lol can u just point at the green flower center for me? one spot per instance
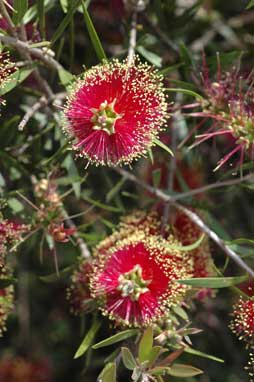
(105, 117)
(243, 130)
(132, 283)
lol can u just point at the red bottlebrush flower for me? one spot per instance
(135, 279)
(11, 232)
(229, 102)
(22, 370)
(78, 294)
(242, 323)
(6, 68)
(184, 230)
(6, 294)
(247, 287)
(59, 233)
(116, 111)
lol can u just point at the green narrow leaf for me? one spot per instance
(145, 345)
(97, 203)
(169, 69)
(65, 77)
(41, 16)
(93, 34)
(65, 22)
(72, 43)
(114, 190)
(250, 5)
(185, 91)
(180, 312)
(128, 359)
(15, 205)
(108, 374)
(15, 79)
(203, 355)
(64, 5)
(116, 338)
(154, 354)
(241, 240)
(88, 339)
(150, 154)
(187, 248)
(163, 146)
(159, 370)
(183, 84)
(151, 57)
(5, 282)
(32, 12)
(53, 277)
(156, 175)
(186, 55)
(183, 371)
(214, 282)
(20, 7)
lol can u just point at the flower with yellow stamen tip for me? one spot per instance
(114, 113)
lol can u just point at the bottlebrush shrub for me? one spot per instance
(115, 112)
(229, 102)
(133, 286)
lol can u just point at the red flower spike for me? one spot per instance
(242, 323)
(184, 230)
(78, 293)
(135, 279)
(247, 287)
(6, 294)
(11, 232)
(115, 112)
(229, 102)
(6, 68)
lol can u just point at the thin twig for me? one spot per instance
(133, 37)
(82, 245)
(43, 101)
(21, 49)
(193, 217)
(43, 56)
(7, 18)
(209, 187)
